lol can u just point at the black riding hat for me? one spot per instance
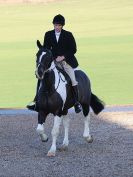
(59, 19)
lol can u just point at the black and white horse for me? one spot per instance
(55, 96)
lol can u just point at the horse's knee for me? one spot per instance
(55, 131)
(66, 122)
(57, 122)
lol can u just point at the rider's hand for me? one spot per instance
(60, 58)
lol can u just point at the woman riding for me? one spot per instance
(63, 47)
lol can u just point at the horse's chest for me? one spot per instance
(54, 103)
(60, 86)
(56, 98)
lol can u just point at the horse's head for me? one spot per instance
(44, 60)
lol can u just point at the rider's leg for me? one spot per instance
(70, 71)
(32, 105)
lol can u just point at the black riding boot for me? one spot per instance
(77, 105)
(33, 106)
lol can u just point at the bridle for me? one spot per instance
(40, 64)
(45, 71)
(48, 70)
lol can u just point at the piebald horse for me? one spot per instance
(55, 96)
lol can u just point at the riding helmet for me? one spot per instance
(59, 19)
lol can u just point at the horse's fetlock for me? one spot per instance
(40, 129)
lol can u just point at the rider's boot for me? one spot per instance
(77, 105)
(33, 105)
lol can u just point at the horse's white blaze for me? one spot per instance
(40, 58)
(66, 127)
(86, 126)
(55, 132)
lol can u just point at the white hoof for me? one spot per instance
(89, 139)
(44, 137)
(51, 154)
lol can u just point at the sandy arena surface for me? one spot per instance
(22, 154)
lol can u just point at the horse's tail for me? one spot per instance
(96, 104)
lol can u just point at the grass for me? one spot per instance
(104, 35)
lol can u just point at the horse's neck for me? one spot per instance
(51, 79)
(56, 75)
(52, 67)
(49, 82)
(56, 72)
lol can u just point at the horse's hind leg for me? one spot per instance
(86, 133)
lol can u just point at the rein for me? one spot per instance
(51, 69)
(58, 81)
(60, 78)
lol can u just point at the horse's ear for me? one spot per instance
(39, 45)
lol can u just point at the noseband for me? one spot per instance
(40, 64)
(45, 71)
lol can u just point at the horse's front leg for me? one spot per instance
(66, 130)
(86, 133)
(40, 127)
(55, 133)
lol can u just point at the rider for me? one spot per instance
(63, 47)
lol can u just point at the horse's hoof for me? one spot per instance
(44, 140)
(63, 148)
(89, 139)
(51, 154)
(43, 137)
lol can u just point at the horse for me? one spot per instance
(55, 96)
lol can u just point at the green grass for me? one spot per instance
(104, 33)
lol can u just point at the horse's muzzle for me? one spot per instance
(39, 75)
